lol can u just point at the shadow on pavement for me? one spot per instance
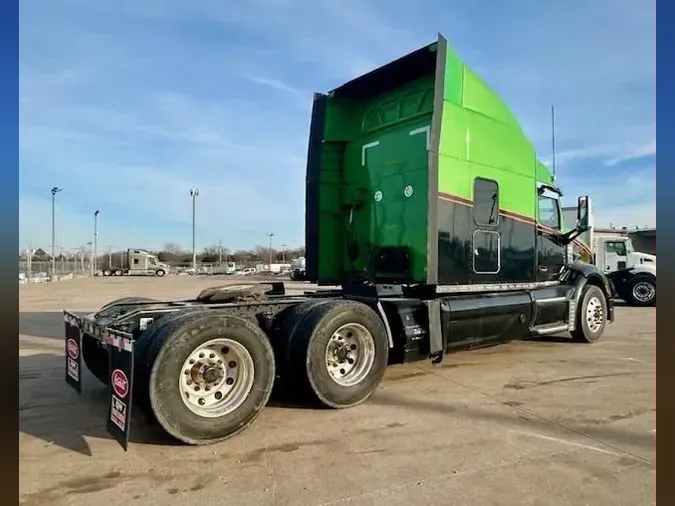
(42, 324)
(524, 418)
(50, 410)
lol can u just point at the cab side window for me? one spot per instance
(618, 247)
(549, 214)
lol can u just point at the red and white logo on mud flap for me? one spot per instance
(119, 383)
(73, 349)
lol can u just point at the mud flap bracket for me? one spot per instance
(436, 340)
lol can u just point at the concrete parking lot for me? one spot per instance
(527, 423)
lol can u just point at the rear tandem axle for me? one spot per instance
(204, 369)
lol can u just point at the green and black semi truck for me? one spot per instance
(427, 206)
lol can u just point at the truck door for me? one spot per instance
(615, 255)
(151, 265)
(550, 255)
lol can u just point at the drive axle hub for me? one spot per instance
(350, 354)
(216, 378)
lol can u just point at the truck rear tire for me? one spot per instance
(209, 377)
(227, 293)
(640, 290)
(160, 273)
(96, 357)
(292, 317)
(338, 352)
(591, 315)
(126, 301)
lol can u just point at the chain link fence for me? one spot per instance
(40, 271)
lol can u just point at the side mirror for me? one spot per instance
(582, 213)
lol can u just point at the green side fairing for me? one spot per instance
(386, 148)
(480, 137)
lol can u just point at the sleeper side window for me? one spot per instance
(485, 202)
(486, 239)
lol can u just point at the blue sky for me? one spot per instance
(127, 105)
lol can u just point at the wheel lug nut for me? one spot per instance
(207, 389)
(201, 355)
(232, 364)
(189, 382)
(196, 388)
(218, 395)
(201, 401)
(187, 372)
(192, 361)
(224, 350)
(229, 381)
(352, 347)
(342, 371)
(351, 360)
(212, 355)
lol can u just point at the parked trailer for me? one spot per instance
(436, 246)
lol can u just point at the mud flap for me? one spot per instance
(73, 344)
(121, 374)
(437, 343)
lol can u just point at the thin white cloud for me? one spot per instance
(611, 154)
(636, 153)
(620, 200)
(277, 84)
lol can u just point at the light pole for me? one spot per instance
(220, 252)
(55, 190)
(270, 235)
(194, 193)
(283, 254)
(90, 245)
(94, 251)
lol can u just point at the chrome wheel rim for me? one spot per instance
(216, 378)
(350, 354)
(644, 291)
(595, 315)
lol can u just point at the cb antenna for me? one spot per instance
(553, 140)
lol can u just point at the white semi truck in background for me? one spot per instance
(632, 273)
(298, 269)
(137, 262)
